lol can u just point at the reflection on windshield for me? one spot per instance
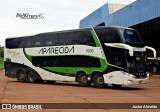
(130, 62)
(131, 36)
(137, 62)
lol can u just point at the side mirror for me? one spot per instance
(152, 49)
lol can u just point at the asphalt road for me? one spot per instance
(12, 91)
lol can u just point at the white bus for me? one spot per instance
(100, 55)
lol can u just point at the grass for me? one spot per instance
(1, 63)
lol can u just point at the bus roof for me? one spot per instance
(89, 28)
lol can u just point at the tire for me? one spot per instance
(98, 80)
(116, 85)
(83, 80)
(31, 76)
(21, 76)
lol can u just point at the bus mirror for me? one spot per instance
(152, 49)
(122, 46)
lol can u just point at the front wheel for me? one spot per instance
(98, 80)
(83, 80)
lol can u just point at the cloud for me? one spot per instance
(58, 15)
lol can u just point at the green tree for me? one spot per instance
(1, 51)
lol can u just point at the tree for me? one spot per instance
(1, 51)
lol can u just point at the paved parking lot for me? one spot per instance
(12, 91)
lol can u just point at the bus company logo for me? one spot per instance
(6, 106)
(12, 52)
(30, 16)
(57, 50)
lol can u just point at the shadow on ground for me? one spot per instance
(92, 86)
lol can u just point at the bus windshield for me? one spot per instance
(131, 36)
(137, 62)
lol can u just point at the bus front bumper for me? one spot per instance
(131, 79)
(123, 78)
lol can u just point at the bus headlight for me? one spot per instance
(147, 74)
(130, 75)
(129, 81)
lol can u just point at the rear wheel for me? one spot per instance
(21, 76)
(31, 77)
(83, 80)
(98, 80)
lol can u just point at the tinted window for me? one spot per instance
(68, 38)
(37, 41)
(82, 61)
(88, 39)
(19, 42)
(108, 35)
(131, 36)
(51, 40)
(66, 61)
(117, 59)
(78, 37)
(25, 42)
(12, 43)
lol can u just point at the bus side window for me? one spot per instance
(117, 59)
(108, 35)
(79, 37)
(112, 36)
(66, 38)
(65, 61)
(25, 42)
(38, 40)
(12, 43)
(51, 40)
(48, 43)
(83, 38)
(37, 44)
(55, 39)
(88, 38)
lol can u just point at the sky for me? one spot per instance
(58, 15)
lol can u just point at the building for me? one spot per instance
(142, 15)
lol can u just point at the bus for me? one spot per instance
(98, 56)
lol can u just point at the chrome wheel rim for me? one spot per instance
(100, 80)
(84, 79)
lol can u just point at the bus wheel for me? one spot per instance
(31, 77)
(83, 80)
(116, 85)
(98, 80)
(21, 76)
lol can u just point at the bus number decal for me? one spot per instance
(89, 50)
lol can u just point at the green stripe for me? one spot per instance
(29, 57)
(95, 38)
(74, 70)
